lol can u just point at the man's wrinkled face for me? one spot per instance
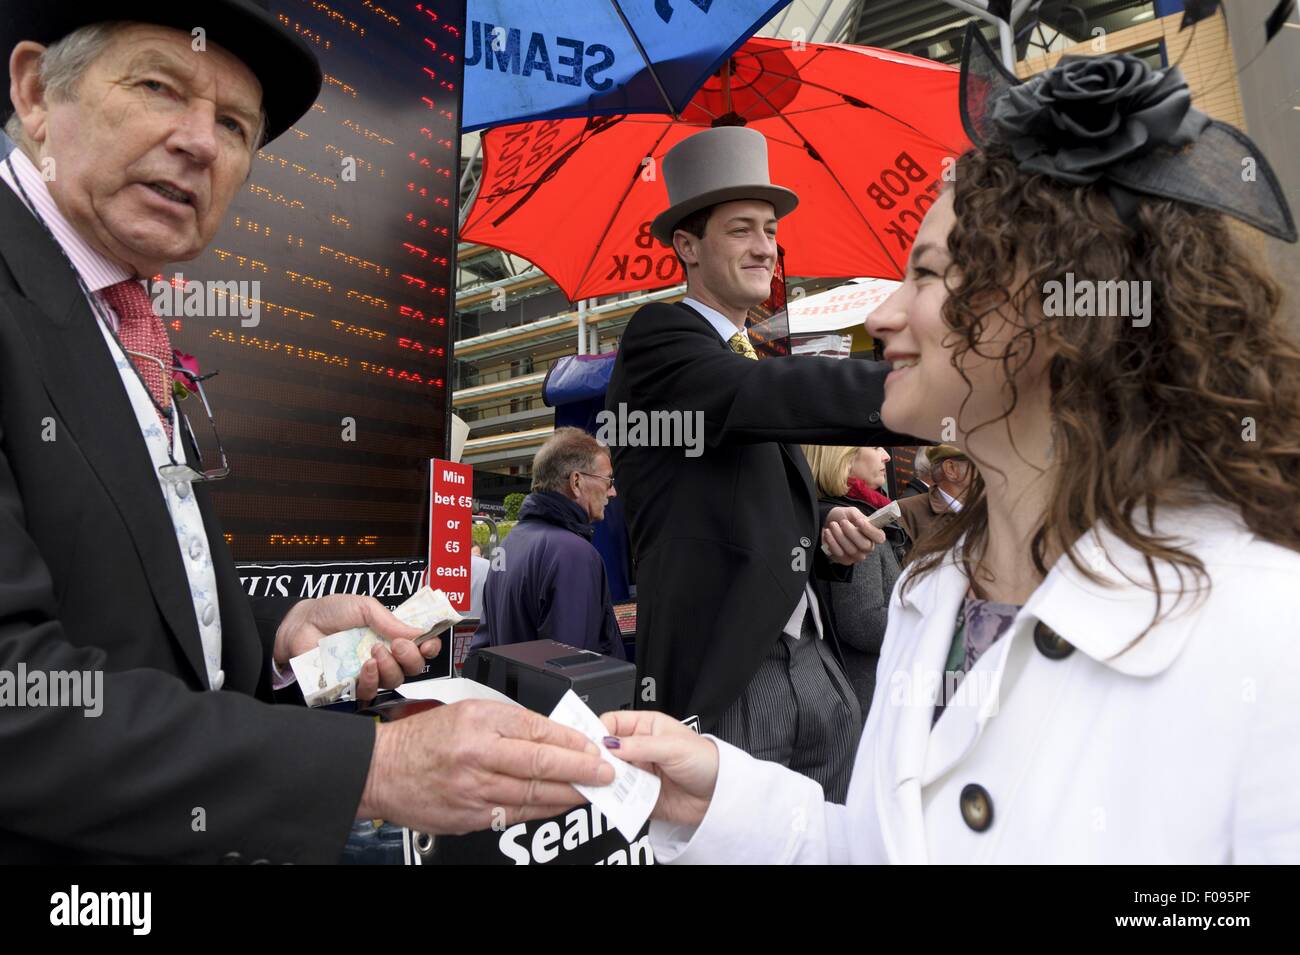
(594, 490)
(154, 146)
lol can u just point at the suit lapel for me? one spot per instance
(924, 618)
(83, 383)
(801, 476)
(801, 482)
(242, 659)
(974, 704)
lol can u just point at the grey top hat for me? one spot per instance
(717, 165)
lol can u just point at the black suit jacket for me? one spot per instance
(91, 577)
(725, 541)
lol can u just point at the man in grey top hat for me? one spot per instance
(730, 543)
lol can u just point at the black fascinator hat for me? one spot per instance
(1112, 119)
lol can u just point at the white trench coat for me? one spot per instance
(1182, 748)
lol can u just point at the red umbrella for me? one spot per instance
(864, 136)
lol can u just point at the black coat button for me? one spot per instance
(874, 417)
(976, 807)
(260, 862)
(232, 858)
(1050, 643)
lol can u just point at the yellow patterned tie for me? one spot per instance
(741, 345)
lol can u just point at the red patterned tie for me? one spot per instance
(141, 330)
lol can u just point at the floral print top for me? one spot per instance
(979, 624)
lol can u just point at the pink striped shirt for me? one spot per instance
(97, 270)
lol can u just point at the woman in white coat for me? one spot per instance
(1097, 660)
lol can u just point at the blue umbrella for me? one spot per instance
(539, 59)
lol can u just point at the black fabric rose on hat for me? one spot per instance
(1086, 113)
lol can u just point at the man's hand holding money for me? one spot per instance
(476, 765)
(309, 621)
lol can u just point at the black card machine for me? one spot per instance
(539, 672)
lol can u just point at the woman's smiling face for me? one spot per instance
(925, 394)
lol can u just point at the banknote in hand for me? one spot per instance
(339, 657)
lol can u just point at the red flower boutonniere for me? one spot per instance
(183, 385)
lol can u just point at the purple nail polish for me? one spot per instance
(612, 742)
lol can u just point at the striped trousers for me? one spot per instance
(799, 710)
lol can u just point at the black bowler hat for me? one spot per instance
(284, 65)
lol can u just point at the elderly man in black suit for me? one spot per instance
(131, 142)
(726, 539)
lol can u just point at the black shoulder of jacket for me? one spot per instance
(666, 316)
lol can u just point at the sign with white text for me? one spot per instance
(451, 508)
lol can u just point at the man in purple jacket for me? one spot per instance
(550, 583)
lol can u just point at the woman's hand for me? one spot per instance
(686, 762)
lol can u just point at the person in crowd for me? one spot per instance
(478, 571)
(1118, 591)
(868, 476)
(919, 482)
(857, 609)
(550, 582)
(726, 538)
(952, 472)
(128, 143)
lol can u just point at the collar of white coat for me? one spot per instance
(1105, 620)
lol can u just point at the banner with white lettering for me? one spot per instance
(391, 582)
(451, 509)
(581, 836)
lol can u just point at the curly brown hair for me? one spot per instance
(1143, 417)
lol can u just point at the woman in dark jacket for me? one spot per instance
(858, 607)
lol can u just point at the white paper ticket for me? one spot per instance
(629, 799)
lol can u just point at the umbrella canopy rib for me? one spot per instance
(650, 67)
(595, 251)
(840, 186)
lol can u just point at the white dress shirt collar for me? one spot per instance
(97, 270)
(724, 326)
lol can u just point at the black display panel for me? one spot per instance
(333, 396)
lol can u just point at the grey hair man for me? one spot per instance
(951, 471)
(922, 477)
(133, 138)
(551, 582)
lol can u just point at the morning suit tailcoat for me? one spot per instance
(92, 578)
(724, 541)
